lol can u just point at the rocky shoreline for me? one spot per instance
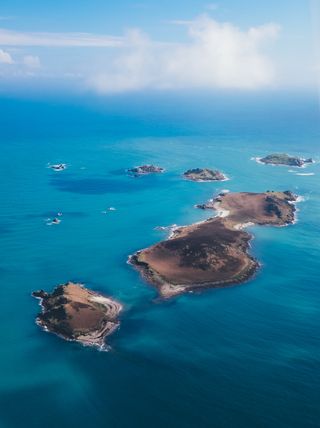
(167, 289)
(77, 314)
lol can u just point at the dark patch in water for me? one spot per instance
(32, 399)
(5, 230)
(3, 271)
(99, 186)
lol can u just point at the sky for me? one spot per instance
(108, 47)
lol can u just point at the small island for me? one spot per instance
(145, 169)
(209, 205)
(285, 159)
(204, 174)
(215, 252)
(58, 167)
(75, 313)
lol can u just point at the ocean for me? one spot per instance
(247, 356)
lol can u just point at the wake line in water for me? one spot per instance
(306, 173)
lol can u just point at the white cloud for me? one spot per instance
(215, 55)
(5, 57)
(16, 38)
(31, 61)
(218, 55)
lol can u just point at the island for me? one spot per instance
(215, 252)
(145, 169)
(75, 313)
(285, 159)
(204, 174)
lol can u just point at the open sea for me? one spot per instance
(242, 357)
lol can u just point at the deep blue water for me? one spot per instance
(243, 357)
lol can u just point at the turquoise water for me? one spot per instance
(246, 356)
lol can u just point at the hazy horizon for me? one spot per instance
(128, 47)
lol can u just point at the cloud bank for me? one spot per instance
(16, 38)
(5, 57)
(214, 55)
(32, 61)
(217, 55)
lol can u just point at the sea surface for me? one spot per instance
(243, 357)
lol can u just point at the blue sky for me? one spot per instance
(107, 46)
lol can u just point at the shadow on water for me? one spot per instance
(28, 401)
(101, 185)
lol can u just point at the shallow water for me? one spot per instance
(246, 356)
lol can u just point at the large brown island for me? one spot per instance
(214, 253)
(76, 313)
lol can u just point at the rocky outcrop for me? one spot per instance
(285, 159)
(75, 313)
(204, 174)
(145, 169)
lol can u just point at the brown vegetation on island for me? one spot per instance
(76, 313)
(214, 253)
